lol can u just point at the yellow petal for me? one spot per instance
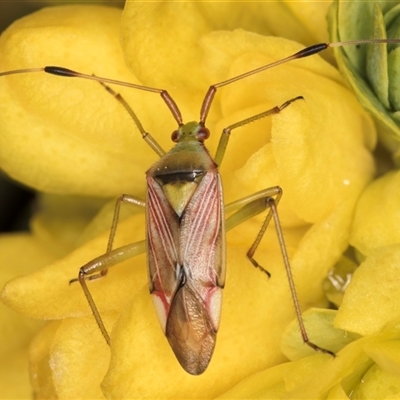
(368, 302)
(268, 384)
(378, 384)
(16, 330)
(39, 355)
(42, 294)
(60, 220)
(273, 383)
(15, 251)
(69, 358)
(312, 16)
(337, 393)
(320, 330)
(387, 355)
(15, 383)
(376, 220)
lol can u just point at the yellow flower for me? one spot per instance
(68, 136)
(376, 220)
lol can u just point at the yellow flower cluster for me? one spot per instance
(68, 137)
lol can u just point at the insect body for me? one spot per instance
(186, 225)
(185, 246)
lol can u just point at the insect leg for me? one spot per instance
(123, 199)
(98, 267)
(102, 263)
(252, 205)
(145, 135)
(224, 139)
(127, 199)
(247, 208)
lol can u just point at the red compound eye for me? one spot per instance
(175, 136)
(203, 134)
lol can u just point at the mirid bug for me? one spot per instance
(185, 223)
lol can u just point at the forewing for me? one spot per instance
(202, 233)
(162, 248)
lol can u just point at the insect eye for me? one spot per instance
(203, 134)
(175, 136)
